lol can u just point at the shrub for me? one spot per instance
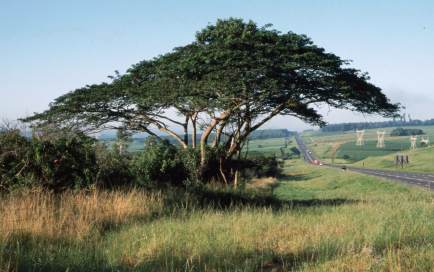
(15, 158)
(190, 160)
(158, 164)
(406, 132)
(267, 167)
(57, 160)
(66, 161)
(113, 168)
(261, 166)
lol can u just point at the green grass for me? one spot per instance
(421, 160)
(350, 152)
(271, 147)
(321, 220)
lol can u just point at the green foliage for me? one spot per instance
(59, 159)
(159, 163)
(113, 168)
(64, 162)
(406, 132)
(15, 158)
(267, 167)
(261, 166)
(190, 159)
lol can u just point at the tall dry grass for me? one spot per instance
(73, 214)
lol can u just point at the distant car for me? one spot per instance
(344, 168)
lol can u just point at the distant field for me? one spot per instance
(270, 147)
(271, 139)
(342, 146)
(266, 147)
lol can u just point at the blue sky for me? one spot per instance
(50, 47)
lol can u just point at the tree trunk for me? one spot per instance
(194, 136)
(236, 179)
(218, 134)
(121, 148)
(186, 130)
(203, 140)
(222, 171)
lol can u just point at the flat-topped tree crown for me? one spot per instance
(233, 78)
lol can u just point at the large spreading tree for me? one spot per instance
(229, 82)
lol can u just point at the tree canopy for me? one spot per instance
(233, 78)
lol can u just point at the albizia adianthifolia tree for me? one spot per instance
(230, 81)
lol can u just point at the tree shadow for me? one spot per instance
(24, 251)
(298, 177)
(228, 200)
(110, 225)
(241, 260)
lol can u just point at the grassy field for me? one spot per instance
(312, 219)
(271, 147)
(341, 147)
(421, 160)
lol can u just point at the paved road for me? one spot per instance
(419, 179)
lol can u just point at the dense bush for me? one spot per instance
(266, 167)
(261, 166)
(190, 159)
(159, 163)
(59, 160)
(406, 132)
(113, 168)
(15, 158)
(64, 162)
(55, 162)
